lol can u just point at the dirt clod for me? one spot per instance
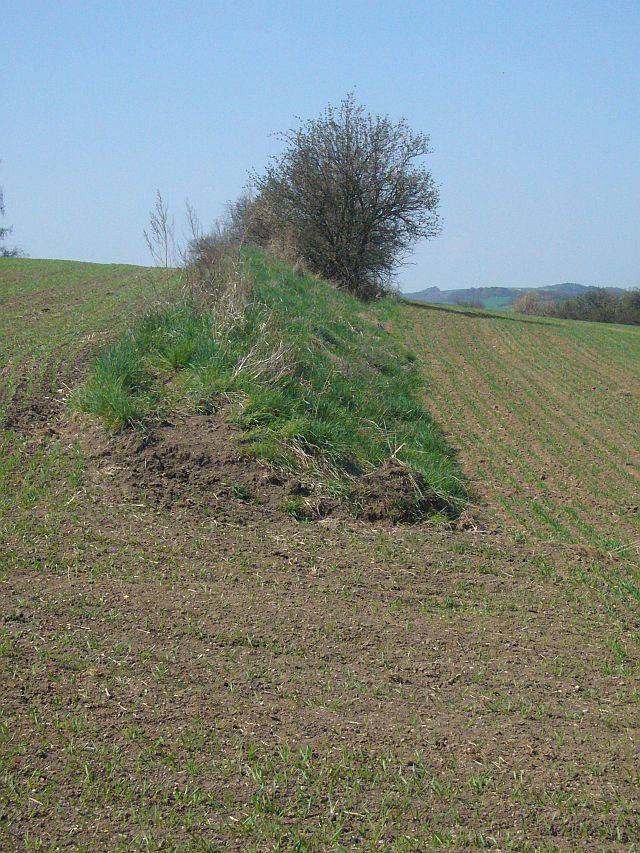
(196, 461)
(395, 493)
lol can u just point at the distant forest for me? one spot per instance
(508, 297)
(597, 305)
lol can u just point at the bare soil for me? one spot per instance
(194, 461)
(183, 665)
(393, 493)
(200, 461)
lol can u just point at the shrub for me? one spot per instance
(6, 251)
(532, 303)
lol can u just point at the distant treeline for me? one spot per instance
(596, 305)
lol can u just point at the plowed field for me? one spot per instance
(546, 416)
(179, 676)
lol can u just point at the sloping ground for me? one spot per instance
(53, 315)
(546, 417)
(174, 679)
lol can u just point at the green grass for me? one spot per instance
(53, 313)
(545, 413)
(318, 379)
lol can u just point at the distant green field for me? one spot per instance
(497, 302)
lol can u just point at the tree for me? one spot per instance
(596, 305)
(629, 308)
(353, 194)
(469, 303)
(4, 232)
(531, 302)
(5, 251)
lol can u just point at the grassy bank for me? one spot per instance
(314, 376)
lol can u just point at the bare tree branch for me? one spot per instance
(161, 234)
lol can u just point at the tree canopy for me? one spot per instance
(352, 192)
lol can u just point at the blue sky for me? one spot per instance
(533, 110)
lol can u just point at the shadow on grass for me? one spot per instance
(480, 314)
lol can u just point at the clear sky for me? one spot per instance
(533, 110)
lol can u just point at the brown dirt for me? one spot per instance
(195, 461)
(198, 461)
(393, 493)
(174, 645)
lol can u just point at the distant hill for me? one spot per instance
(501, 297)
